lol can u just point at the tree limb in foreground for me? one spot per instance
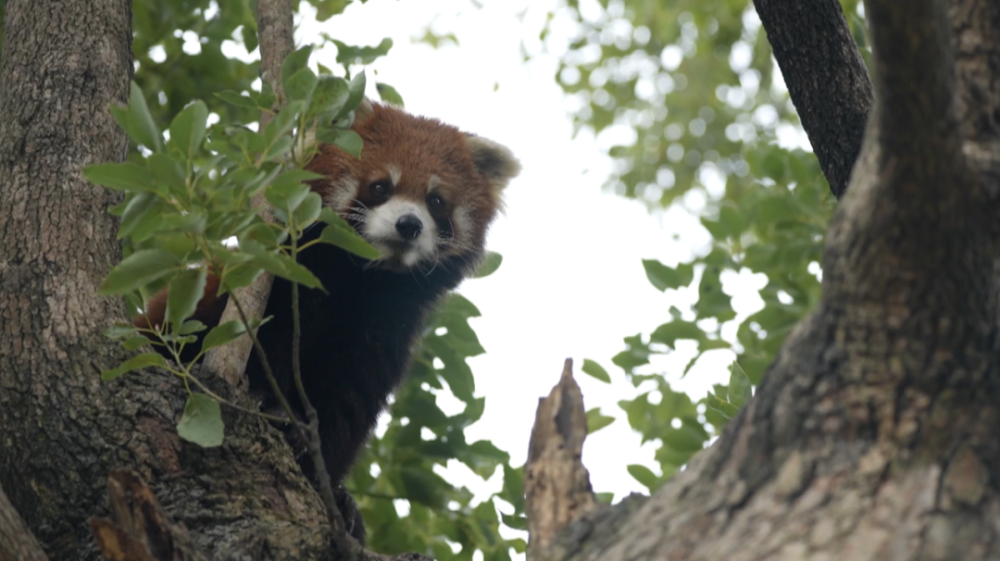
(556, 485)
(873, 434)
(826, 78)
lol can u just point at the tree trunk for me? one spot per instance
(17, 543)
(874, 433)
(63, 429)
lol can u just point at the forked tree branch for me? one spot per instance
(275, 35)
(826, 78)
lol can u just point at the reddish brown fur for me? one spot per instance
(358, 337)
(209, 309)
(391, 137)
(421, 147)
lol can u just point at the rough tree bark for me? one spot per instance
(826, 78)
(63, 430)
(874, 433)
(17, 543)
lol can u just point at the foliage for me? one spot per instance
(187, 196)
(696, 86)
(185, 50)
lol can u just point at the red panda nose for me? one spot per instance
(409, 226)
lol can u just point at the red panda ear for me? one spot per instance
(363, 111)
(495, 161)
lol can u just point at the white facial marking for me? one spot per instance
(394, 174)
(380, 230)
(461, 223)
(433, 182)
(343, 191)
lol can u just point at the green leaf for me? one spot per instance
(596, 421)
(356, 92)
(222, 334)
(423, 486)
(669, 333)
(201, 422)
(135, 363)
(389, 94)
(309, 210)
(187, 131)
(715, 228)
(284, 121)
(133, 343)
(238, 277)
(191, 326)
(234, 98)
(141, 126)
(489, 265)
(721, 407)
(326, 9)
(278, 149)
(294, 62)
(120, 330)
(731, 219)
(513, 487)
(301, 85)
(515, 522)
(280, 265)
(663, 277)
(347, 140)
(644, 475)
(349, 54)
(169, 172)
(294, 177)
(483, 457)
(141, 218)
(596, 370)
(605, 498)
(139, 269)
(740, 389)
(339, 233)
(120, 177)
(286, 196)
(329, 97)
(183, 295)
(249, 34)
(690, 437)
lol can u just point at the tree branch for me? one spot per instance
(826, 78)
(556, 485)
(17, 543)
(275, 35)
(141, 530)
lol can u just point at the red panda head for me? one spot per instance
(421, 192)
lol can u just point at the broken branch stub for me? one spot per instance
(141, 530)
(556, 485)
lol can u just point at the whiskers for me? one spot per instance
(444, 253)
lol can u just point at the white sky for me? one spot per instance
(572, 282)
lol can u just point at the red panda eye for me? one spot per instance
(380, 188)
(435, 202)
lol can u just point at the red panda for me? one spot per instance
(424, 194)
